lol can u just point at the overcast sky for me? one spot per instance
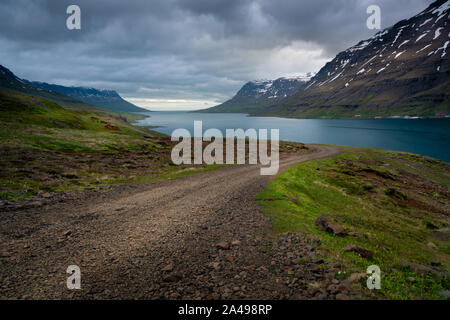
(175, 54)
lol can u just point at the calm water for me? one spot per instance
(428, 137)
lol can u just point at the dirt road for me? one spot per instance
(159, 241)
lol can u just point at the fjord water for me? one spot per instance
(430, 137)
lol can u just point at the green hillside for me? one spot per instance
(46, 147)
(393, 204)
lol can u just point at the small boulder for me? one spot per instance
(5, 254)
(356, 276)
(235, 242)
(319, 261)
(367, 254)
(445, 294)
(223, 245)
(325, 224)
(355, 234)
(172, 278)
(36, 204)
(419, 268)
(431, 245)
(215, 265)
(168, 268)
(341, 296)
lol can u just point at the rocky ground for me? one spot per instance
(199, 237)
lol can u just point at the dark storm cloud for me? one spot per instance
(174, 49)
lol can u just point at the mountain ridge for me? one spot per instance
(259, 93)
(103, 98)
(67, 96)
(401, 70)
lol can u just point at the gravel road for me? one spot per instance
(199, 237)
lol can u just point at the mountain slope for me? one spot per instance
(108, 99)
(260, 93)
(9, 81)
(71, 97)
(45, 146)
(402, 70)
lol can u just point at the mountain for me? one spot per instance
(9, 81)
(402, 70)
(71, 97)
(260, 93)
(108, 99)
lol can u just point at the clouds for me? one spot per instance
(199, 50)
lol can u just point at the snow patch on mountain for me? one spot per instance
(423, 35)
(437, 33)
(443, 7)
(399, 54)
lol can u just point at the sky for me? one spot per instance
(182, 55)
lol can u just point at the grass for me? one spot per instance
(46, 147)
(389, 198)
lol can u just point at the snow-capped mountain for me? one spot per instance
(273, 89)
(259, 93)
(402, 70)
(108, 99)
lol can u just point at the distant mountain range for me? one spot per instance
(108, 99)
(402, 70)
(260, 93)
(67, 96)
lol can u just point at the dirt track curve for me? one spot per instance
(158, 241)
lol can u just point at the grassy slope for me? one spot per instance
(384, 104)
(62, 100)
(242, 105)
(46, 147)
(129, 117)
(395, 200)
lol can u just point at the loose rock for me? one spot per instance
(172, 278)
(367, 254)
(169, 268)
(324, 223)
(431, 245)
(223, 245)
(423, 269)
